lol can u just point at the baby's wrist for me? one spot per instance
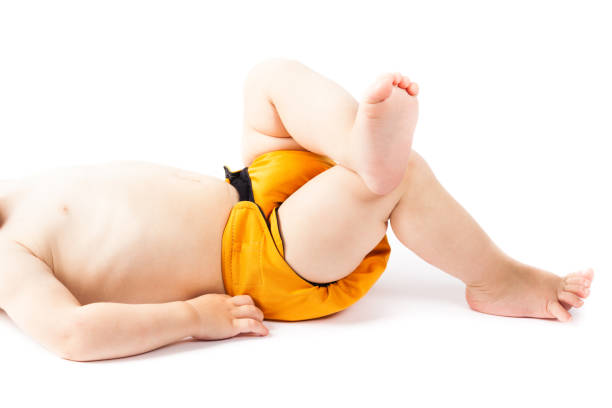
(192, 318)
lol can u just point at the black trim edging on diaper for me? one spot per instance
(242, 182)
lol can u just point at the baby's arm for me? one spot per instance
(46, 310)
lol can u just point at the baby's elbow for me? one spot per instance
(74, 353)
(74, 342)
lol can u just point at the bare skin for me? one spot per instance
(113, 260)
(381, 137)
(422, 214)
(109, 232)
(130, 246)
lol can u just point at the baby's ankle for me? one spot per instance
(502, 271)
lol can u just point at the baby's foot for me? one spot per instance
(531, 292)
(381, 138)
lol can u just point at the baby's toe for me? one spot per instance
(585, 274)
(577, 289)
(380, 89)
(570, 299)
(557, 311)
(588, 273)
(397, 78)
(404, 82)
(577, 280)
(413, 89)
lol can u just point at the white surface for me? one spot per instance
(515, 121)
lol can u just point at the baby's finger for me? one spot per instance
(558, 311)
(570, 299)
(249, 311)
(250, 326)
(242, 300)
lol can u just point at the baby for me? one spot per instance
(118, 259)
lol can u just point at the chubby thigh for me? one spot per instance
(331, 223)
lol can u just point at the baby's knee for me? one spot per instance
(270, 68)
(416, 170)
(416, 163)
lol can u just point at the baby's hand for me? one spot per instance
(223, 316)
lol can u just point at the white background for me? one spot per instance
(515, 121)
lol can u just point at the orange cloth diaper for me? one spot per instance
(252, 248)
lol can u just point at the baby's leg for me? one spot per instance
(334, 220)
(432, 224)
(289, 106)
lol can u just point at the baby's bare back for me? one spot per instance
(124, 232)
